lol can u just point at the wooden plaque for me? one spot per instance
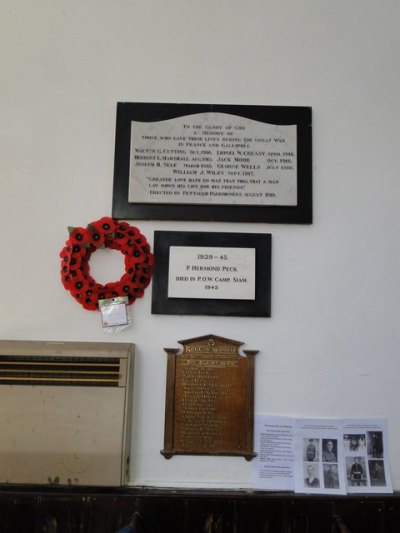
(209, 406)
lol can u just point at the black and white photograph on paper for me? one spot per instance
(206, 273)
(311, 449)
(329, 450)
(356, 471)
(375, 444)
(377, 473)
(213, 162)
(331, 476)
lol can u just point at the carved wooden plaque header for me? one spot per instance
(209, 406)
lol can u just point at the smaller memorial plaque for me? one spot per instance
(209, 406)
(205, 273)
(225, 273)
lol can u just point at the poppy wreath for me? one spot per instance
(105, 233)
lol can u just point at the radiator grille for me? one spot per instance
(48, 370)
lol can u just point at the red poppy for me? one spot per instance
(98, 238)
(80, 236)
(75, 261)
(79, 285)
(76, 249)
(120, 237)
(135, 258)
(105, 225)
(65, 254)
(133, 232)
(89, 303)
(139, 292)
(123, 226)
(66, 279)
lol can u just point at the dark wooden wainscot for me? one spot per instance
(54, 510)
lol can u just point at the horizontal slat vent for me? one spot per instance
(59, 370)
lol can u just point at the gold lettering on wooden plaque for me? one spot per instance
(209, 407)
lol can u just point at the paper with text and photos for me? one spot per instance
(319, 457)
(322, 456)
(274, 445)
(365, 445)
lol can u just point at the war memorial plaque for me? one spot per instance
(212, 273)
(209, 407)
(217, 162)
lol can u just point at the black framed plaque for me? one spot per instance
(209, 401)
(213, 162)
(205, 273)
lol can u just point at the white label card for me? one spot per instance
(114, 314)
(212, 272)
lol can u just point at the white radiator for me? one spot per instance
(65, 412)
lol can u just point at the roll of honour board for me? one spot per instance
(209, 399)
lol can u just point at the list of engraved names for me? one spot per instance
(201, 415)
(213, 158)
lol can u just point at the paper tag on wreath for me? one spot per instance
(114, 314)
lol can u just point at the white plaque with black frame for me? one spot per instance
(203, 273)
(213, 158)
(210, 272)
(239, 163)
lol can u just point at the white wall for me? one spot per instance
(331, 347)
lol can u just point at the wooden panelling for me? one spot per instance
(58, 510)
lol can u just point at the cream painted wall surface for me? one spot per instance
(331, 347)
